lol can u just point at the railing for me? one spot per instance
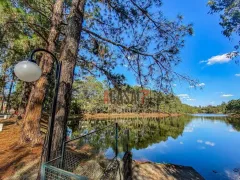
(96, 155)
(52, 170)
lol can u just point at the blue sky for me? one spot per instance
(217, 75)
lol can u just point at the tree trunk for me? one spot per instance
(25, 96)
(68, 56)
(31, 127)
(8, 106)
(3, 94)
(3, 99)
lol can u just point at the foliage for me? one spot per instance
(16, 97)
(230, 16)
(233, 106)
(21, 30)
(88, 97)
(213, 109)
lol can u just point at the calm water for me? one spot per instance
(208, 143)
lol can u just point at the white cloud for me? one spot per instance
(210, 143)
(132, 57)
(226, 95)
(181, 142)
(188, 129)
(232, 130)
(231, 174)
(201, 84)
(219, 59)
(238, 75)
(151, 147)
(198, 85)
(190, 99)
(184, 96)
(200, 141)
(202, 62)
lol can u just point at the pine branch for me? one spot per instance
(144, 12)
(31, 26)
(37, 10)
(24, 22)
(117, 44)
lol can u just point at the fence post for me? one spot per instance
(63, 155)
(116, 138)
(42, 174)
(127, 139)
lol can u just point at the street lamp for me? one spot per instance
(29, 71)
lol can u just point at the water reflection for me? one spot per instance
(143, 131)
(210, 144)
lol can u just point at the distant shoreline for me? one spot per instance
(129, 115)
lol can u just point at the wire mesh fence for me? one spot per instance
(96, 155)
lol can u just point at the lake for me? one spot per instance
(208, 143)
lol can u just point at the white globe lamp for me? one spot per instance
(27, 71)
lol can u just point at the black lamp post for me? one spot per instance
(29, 71)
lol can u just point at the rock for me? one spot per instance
(90, 169)
(154, 171)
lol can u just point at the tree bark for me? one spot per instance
(31, 127)
(25, 96)
(3, 99)
(68, 56)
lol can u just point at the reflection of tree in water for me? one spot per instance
(101, 140)
(143, 132)
(235, 122)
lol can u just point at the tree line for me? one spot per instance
(231, 107)
(89, 97)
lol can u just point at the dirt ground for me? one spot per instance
(16, 160)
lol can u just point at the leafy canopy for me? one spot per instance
(230, 16)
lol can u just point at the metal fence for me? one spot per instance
(96, 155)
